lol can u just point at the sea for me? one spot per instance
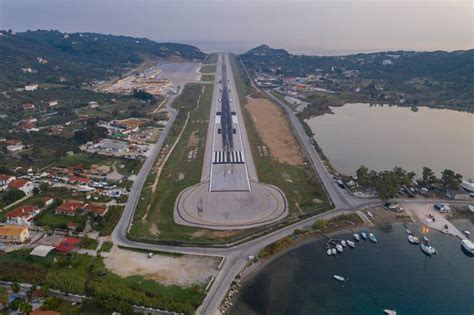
(392, 274)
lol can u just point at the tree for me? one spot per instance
(15, 287)
(363, 177)
(25, 307)
(3, 296)
(387, 185)
(429, 177)
(13, 195)
(451, 181)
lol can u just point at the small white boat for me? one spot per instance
(329, 252)
(339, 248)
(408, 231)
(389, 312)
(334, 252)
(363, 235)
(351, 244)
(372, 238)
(467, 233)
(339, 278)
(356, 237)
(343, 243)
(468, 246)
(411, 239)
(425, 239)
(427, 249)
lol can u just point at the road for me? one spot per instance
(236, 256)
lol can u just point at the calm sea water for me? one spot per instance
(392, 274)
(381, 137)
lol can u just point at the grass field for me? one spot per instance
(178, 172)
(208, 69)
(207, 78)
(211, 58)
(80, 274)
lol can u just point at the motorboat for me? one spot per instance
(363, 235)
(467, 233)
(468, 246)
(356, 237)
(339, 278)
(343, 243)
(372, 238)
(339, 248)
(334, 251)
(413, 239)
(408, 231)
(390, 312)
(425, 239)
(351, 244)
(427, 249)
(329, 252)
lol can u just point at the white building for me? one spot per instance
(31, 87)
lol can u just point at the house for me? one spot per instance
(31, 87)
(12, 148)
(28, 106)
(47, 201)
(14, 233)
(78, 180)
(22, 215)
(26, 124)
(27, 70)
(69, 207)
(23, 185)
(67, 245)
(96, 209)
(5, 180)
(56, 129)
(53, 103)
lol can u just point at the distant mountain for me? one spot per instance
(54, 57)
(265, 50)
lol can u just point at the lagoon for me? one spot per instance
(381, 137)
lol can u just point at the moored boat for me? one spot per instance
(339, 278)
(339, 248)
(351, 244)
(468, 246)
(329, 252)
(389, 312)
(356, 237)
(467, 233)
(427, 249)
(334, 252)
(363, 235)
(343, 243)
(413, 239)
(372, 238)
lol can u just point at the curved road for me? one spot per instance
(236, 256)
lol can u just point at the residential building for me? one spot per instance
(22, 215)
(70, 207)
(14, 233)
(47, 201)
(31, 87)
(53, 103)
(96, 209)
(28, 106)
(12, 148)
(23, 185)
(5, 180)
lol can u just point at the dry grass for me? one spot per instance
(273, 127)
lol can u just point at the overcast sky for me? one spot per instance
(317, 26)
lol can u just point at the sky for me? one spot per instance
(300, 26)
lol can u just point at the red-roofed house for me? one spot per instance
(68, 244)
(78, 180)
(23, 185)
(5, 180)
(22, 215)
(47, 201)
(70, 207)
(28, 106)
(96, 209)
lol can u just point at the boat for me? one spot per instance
(468, 246)
(389, 312)
(334, 252)
(339, 278)
(369, 214)
(467, 233)
(372, 238)
(339, 248)
(413, 239)
(329, 252)
(408, 231)
(471, 208)
(427, 249)
(425, 239)
(363, 235)
(343, 243)
(351, 244)
(356, 237)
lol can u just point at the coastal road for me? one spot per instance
(235, 256)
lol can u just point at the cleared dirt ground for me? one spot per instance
(168, 270)
(273, 127)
